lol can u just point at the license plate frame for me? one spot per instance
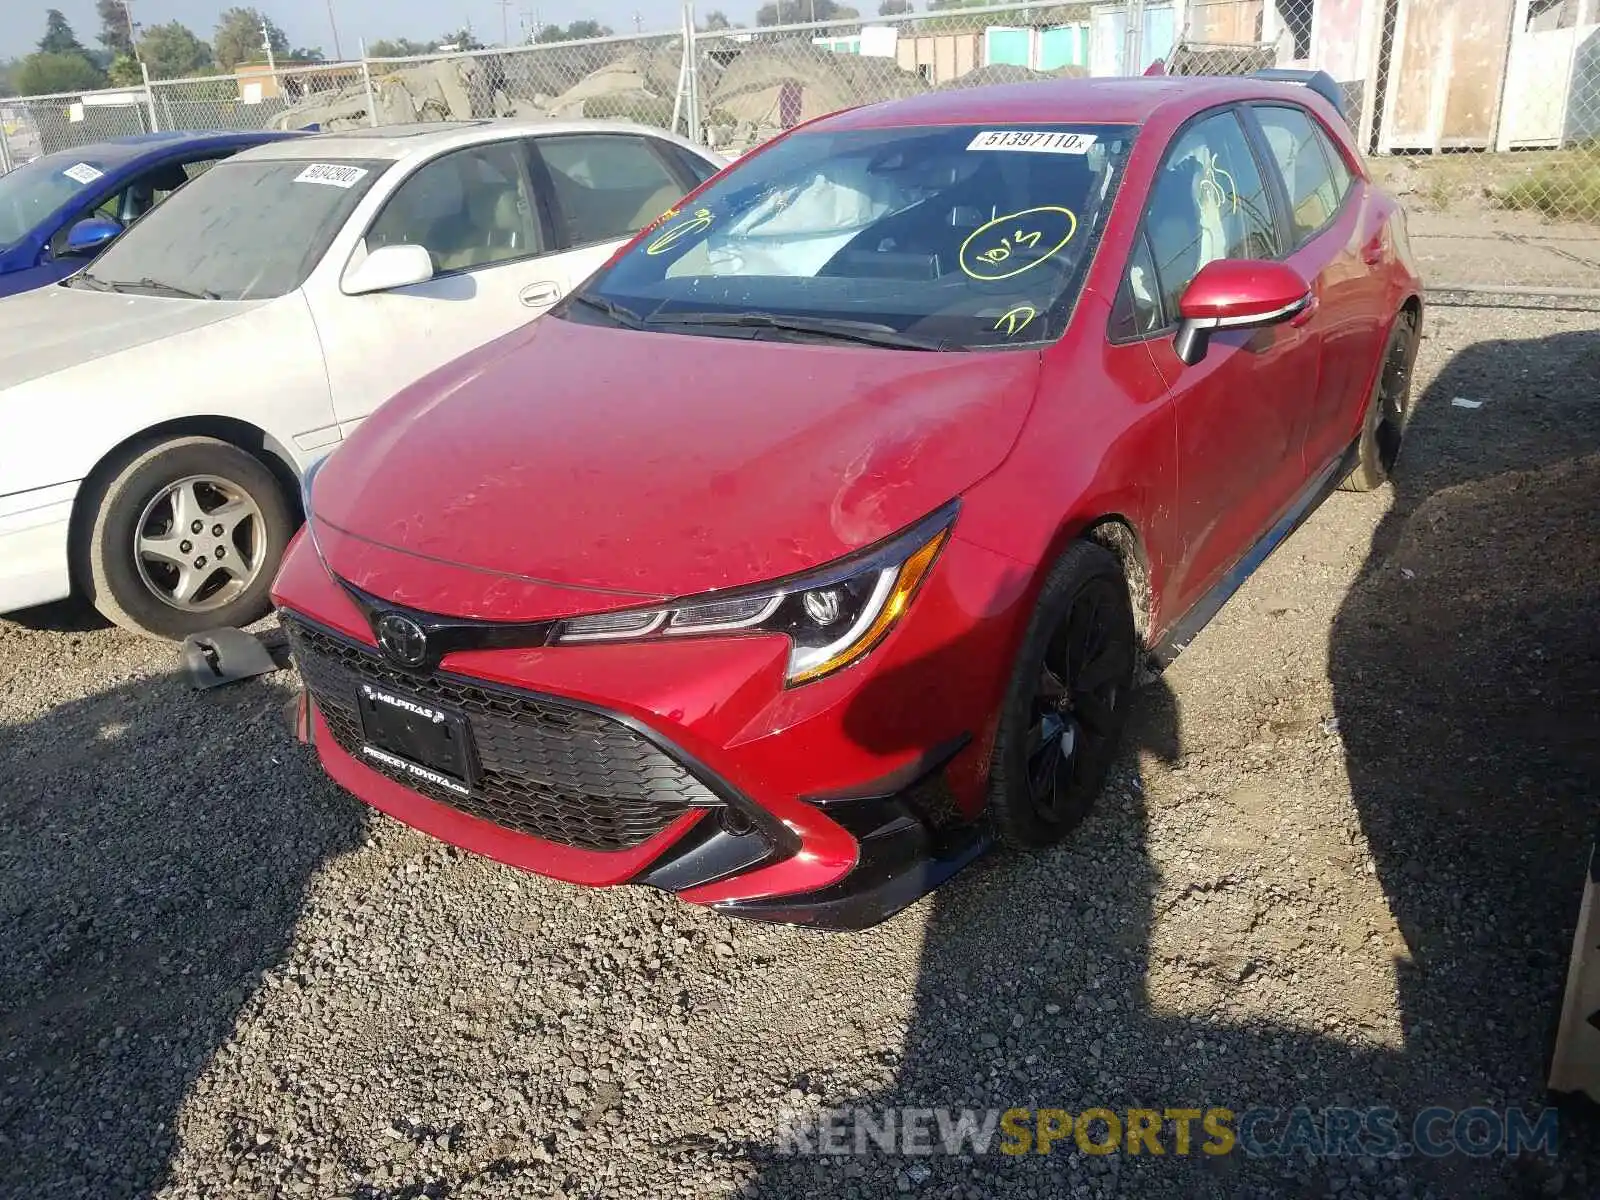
(418, 738)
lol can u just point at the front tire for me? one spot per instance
(187, 535)
(1067, 701)
(1388, 411)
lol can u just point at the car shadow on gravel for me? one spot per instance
(157, 850)
(1466, 679)
(75, 615)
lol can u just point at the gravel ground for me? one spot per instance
(1340, 864)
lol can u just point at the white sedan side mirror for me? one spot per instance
(389, 267)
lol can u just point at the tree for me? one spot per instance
(8, 72)
(114, 33)
(124, 71)
(58, 37)
(796, 12)
(716, 19)
(577, 31)
(399, 48)
(238, 38)
(894, 8)
(172, 51)
(461, 39)
(44, 73)
(308, 54)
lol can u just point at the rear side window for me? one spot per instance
(1342, 179)
(1208, 202)
(606, 185)
(1297, 152)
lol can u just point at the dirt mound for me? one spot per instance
(1002, 73)
(767, 89)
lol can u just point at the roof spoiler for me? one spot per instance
(1319, 82)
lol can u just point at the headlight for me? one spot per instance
(306, 480)
(832, 617)
(305, 498)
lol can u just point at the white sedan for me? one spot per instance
(157, 409)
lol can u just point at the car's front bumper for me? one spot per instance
(34, 530)
(833, 804)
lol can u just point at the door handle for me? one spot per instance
(536, 294)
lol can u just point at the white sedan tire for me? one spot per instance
(187, 536)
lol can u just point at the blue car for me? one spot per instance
(59, 211)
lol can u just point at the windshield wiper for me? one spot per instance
(93, 282)
(166, 289)
(833, 328)
(625, 317)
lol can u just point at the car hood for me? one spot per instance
(54, 328)
(572, 467)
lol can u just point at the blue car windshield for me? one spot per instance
(33, 191)
(951, 237)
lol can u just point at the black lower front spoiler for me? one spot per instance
(908, 846)
(902, 859)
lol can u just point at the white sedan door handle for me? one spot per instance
(537, 294)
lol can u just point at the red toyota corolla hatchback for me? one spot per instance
(819, 539)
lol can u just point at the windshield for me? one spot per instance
(34, 190)
(947, 237)
(245, 230)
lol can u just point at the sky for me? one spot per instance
(307, 24)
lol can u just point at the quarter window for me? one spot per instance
(1207, 203)
(1297, 152)
(1138, 307)
(469, 208)
(607, 186)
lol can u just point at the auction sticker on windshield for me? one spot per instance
(331, 174)
(83, 173)
(1033, 141)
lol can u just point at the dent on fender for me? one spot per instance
(926, 442)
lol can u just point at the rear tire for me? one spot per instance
(186, 536)
(1383, 428)
(1067, 701)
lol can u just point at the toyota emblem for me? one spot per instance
(402, 639)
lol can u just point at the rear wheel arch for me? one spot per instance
(252, 439)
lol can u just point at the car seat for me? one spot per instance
(496, 228)
(140, 196)
(1176, 232)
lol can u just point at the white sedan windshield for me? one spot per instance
(245, 230)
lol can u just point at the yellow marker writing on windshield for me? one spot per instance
(670, 237)
(990, 249)
(1010, 323)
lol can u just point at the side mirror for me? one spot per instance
(89, 236)
(389, 267)
(1237, 293)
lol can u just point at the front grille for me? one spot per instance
(558, 772)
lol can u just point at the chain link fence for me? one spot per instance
(1484, 115)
